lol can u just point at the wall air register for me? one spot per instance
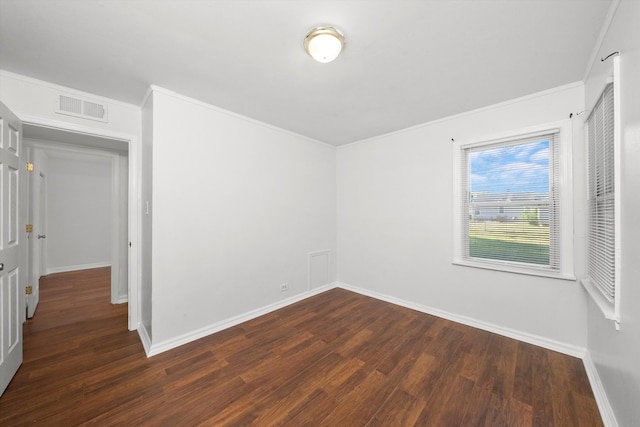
(83, 108)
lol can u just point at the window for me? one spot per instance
(602, 245)
(511, 200)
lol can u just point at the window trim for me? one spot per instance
(611, 311)
(566, 270)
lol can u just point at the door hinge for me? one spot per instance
(29, 228)
(29, 166)
(28, 290)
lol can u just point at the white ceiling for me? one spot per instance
(405, 62)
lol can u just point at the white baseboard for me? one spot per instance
(540, 341)
(547, 343)
(122, 299)
(157, 348)
(606, 411)
(602, 401)
(64, 269)
(145, 338)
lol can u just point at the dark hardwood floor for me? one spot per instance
(336, 359)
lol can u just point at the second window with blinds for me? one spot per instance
(512, 201)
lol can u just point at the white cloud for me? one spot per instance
(540, 155)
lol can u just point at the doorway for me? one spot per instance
(42, 141)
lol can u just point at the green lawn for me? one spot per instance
(504, 250)
(509, 241)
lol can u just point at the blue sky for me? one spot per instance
(514, 169)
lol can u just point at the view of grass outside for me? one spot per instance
(515, 241)
(502, 179)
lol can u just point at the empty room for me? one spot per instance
(332, 213)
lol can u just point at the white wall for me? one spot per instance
(146, 288)
(41, 161)
(616, 354)
(395, 234)
(237, 207)
(79, 210)
(120, 238)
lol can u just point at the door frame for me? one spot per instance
(36, 250)
(118, 194)
(134, 211)
(41, 219)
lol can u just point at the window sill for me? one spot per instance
(607, 308)
(514, 269)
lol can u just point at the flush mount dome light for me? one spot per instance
(324, 44)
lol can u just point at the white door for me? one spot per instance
(40, 228)
(38, 242)
(12, 304)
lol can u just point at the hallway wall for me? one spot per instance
(78, 212)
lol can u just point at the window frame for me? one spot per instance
(610, 310)
(565, 180)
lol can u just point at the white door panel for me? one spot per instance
(36, 251)
(12, 304)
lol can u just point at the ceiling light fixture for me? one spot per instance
(324, 44)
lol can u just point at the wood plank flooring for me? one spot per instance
(336, 359)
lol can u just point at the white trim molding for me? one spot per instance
(601, 302)
(502, 104)
(159, 89)
(611, 310)
(568, 349)
(565, 180)
(145, 338)
(67, 268)
(134, 218)
(571, 350)
(157, 348)
(606, 411)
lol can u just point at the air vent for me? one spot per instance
(84, 108)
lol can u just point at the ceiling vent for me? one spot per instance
(84, 108)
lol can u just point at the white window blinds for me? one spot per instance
(602, 196)
(511, 202)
